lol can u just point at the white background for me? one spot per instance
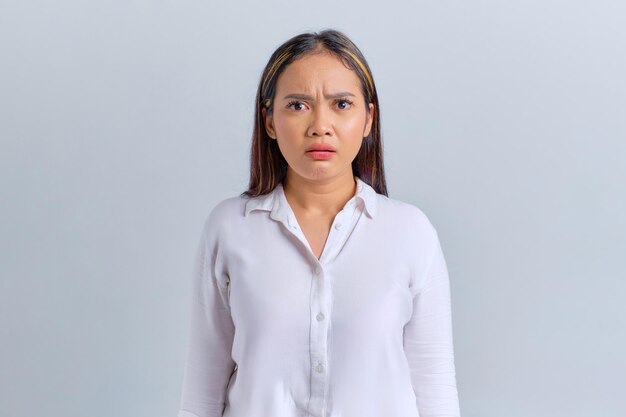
(122, 123)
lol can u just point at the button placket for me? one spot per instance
(319, 339)
(334, 236)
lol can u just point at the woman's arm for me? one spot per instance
(209, 364)
(428, 343)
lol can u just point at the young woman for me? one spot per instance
(314, 293)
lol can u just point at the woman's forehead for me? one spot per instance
(314, 72)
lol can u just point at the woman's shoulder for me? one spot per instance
(406, 215)
(225, 211)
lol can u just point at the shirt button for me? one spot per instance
(319, 317)
(318, 269)
(338, 226)
(319, 368)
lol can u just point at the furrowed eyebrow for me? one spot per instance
(329, 96)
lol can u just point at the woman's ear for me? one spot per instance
(369, 120)
(269, 124)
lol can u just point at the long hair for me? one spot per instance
(268, 167)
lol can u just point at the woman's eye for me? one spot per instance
(294, 103)
(344, 101)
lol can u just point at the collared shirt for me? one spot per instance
(365, 331)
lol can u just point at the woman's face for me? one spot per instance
(319, 101)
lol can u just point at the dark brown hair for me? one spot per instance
(268, 167)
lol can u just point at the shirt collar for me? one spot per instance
(276, 203)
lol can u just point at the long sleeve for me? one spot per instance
(428, 342)
(209, 364)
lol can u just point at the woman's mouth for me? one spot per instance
(320, 154)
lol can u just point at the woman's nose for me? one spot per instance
(320, 122)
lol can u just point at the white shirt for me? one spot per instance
(365, 331)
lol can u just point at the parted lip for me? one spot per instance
(320, 147)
